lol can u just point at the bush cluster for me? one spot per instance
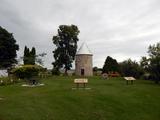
(27, 71)
(8, 81)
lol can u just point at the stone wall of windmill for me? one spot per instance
(83, 61)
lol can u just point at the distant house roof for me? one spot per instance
(3, 73)
(84, 50)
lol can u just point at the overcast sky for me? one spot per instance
(121, 29)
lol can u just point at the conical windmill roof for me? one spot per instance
(84, 50)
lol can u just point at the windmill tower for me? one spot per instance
(83, 62)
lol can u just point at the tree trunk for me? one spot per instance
(66, 73)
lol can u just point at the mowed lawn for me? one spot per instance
(106, 100)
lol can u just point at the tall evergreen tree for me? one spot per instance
(8, 49)
(26, 55)
(33, 55)
(110, 65)
(29, 56)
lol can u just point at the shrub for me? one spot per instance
(130, 68)
(27, 71)
(55, 71)
(7, 81)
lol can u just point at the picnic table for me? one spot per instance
(80, 81)
(131, 79)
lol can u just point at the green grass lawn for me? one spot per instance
(106, 100)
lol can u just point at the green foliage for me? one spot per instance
(151, 65)
(110, 65)
(8, 48)
(26, 55)
(144, 62)
(154, 61)
(130, 68)
(154, 50)
(95, 69)
(55, 71)
(27, 71)
(66, 46)
(29, 56)
(8, 80)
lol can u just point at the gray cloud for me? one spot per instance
(120, 28)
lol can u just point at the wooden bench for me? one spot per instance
(80, 81)
(129, 79)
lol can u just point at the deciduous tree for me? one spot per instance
(8, 49)
(154, 61)
(130, 68)
(66, 46)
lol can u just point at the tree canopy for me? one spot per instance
(110, 65)
(151, 63)
(130, 68)
(154, 61)
(66, 46)
(29, 56)
(8, 49)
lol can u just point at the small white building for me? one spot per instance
(83, 61)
